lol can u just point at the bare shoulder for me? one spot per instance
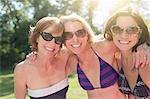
(21, 67)
(105, 46)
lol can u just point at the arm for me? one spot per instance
(142, 55)
(71, 64)
(19, 82)
(131, 97)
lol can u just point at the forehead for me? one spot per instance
(53, 29)
(73, 26)
(125, 21)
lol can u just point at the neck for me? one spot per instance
(126, 54)
(127, 59)
(44, 60)
(85, 53)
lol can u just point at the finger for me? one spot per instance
(28, 56)
(143, 58)
(137, 59)
(148, 57)
(34, 52)
(144, 62)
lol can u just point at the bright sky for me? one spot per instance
(102, 12)
(105, 6)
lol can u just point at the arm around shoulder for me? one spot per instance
(20, 81)
(71, 64)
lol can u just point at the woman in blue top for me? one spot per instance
(128, 30)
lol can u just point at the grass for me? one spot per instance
(7, 86)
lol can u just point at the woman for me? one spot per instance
(45, 77)
(96, 69)
(128, 31)
(83, 46)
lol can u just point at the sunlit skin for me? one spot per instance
(90, 63)
(48, 47)
(88, 60)
(46, 70)
(76, 45)
(125, 43)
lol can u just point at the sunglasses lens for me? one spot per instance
(132, 30)
(129, 30)
(46, 36)
(116, 29)
(58, 40)
(67, 35)
(81, 33)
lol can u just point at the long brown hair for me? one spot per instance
(144, 37)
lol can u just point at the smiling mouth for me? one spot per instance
(124, 42)
(50, 49)
(76, 45)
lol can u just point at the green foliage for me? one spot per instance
(17, 15)
(15, 18)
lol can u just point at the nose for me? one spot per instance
(74, 38)
(124, 34)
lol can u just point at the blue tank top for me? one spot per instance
(108, 76)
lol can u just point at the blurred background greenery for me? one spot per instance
(17, 15)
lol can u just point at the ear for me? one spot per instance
(37, 40)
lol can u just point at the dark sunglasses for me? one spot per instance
(79, 33)
(129, 30)
(48, 37)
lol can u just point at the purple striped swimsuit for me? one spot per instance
(108, 76)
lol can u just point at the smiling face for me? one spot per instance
(76, 44)
(125, 41)
(50, 47)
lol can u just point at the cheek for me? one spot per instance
(136, 40)
(67, 43)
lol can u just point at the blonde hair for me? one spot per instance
(86, 26)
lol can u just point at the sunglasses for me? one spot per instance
(129, 30)
(48, 37)
(79, 33)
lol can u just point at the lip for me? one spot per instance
(75, 45)
(123, 42)
(50, 49)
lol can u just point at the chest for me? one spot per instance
(39, 78)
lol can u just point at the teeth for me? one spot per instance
(124, 42)
(75, 45)
(49, 49)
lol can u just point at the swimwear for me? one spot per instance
(108, 76)
(57, 91)
(140, 91)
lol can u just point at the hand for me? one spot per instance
(31, 56)
(142, 56)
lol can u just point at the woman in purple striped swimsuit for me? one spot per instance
(97, 71)
(96, 67)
